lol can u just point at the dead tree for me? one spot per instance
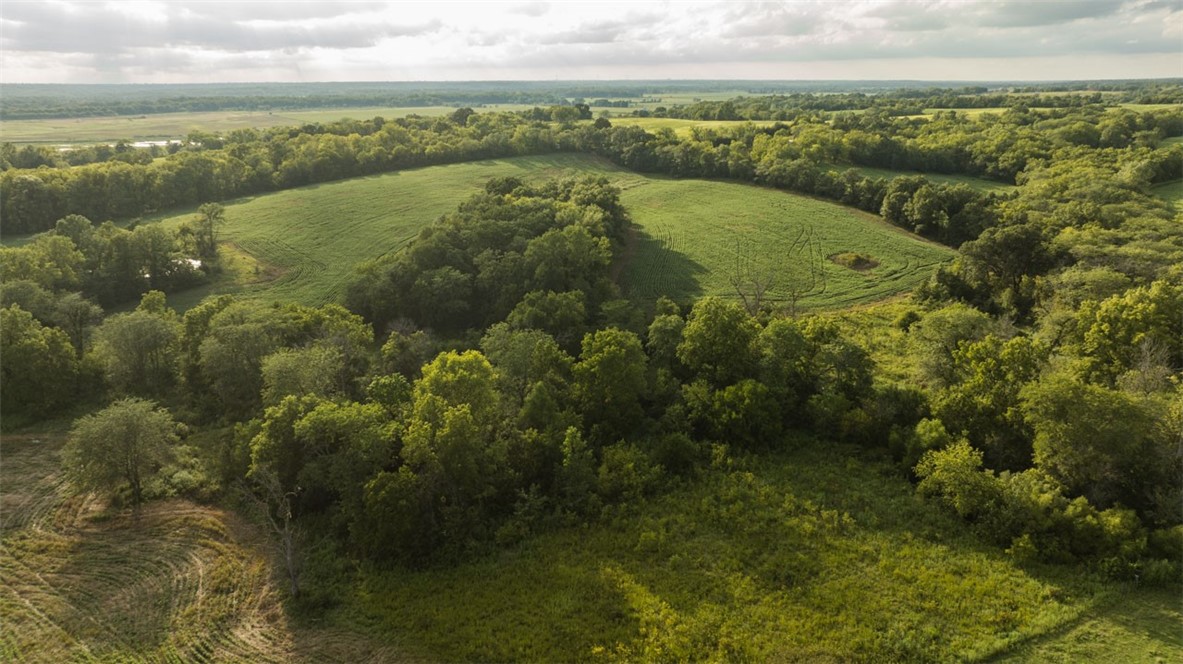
(266, 494)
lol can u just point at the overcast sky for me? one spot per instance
(205, 42)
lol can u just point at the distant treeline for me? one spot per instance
(58, 101)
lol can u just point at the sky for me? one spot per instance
(51, 41)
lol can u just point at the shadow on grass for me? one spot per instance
(652, 267)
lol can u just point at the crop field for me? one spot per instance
(165, 126)
(813, 555)
(84, 582)
(301, 245)
(697, 237)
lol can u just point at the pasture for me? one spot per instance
(980, 184)
(1172, 192)
(301, 245)
(697, 237)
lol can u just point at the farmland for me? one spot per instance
(693, 236)
(301, 244)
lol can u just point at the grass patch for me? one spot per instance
(693, 237)
(1172, 192)
(682, 127)
(813, 555)
(855, 261)
(979, 184)
(165, 126)
(301, 245)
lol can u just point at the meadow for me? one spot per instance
(696, 237)
(1172, 192)
(976, 183)
(302, 244)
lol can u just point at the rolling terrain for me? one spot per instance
(302, 244)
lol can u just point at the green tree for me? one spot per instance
(718, 342)
(125, 443)
(138, 351)
(37, 363)
(610, 382)
(311, 371)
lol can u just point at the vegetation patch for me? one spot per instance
(698, 237)
(855, 261)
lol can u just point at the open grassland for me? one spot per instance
(683, 127)
(696, 237)
(165, 126)
(814, 555)
(1172, 192)
(84, 582)
(301, 245)
(977, 183)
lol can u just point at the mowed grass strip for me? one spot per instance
(694, 237)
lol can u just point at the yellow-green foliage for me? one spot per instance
(814, 555)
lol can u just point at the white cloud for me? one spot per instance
(146, 41)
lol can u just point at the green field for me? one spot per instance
(302, 244)
(682, 127)
(980, 184)
(694, 237)
(164, 126)
(1172, 192)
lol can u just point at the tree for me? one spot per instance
(610, 381)
(76, 316)
(718, 342)
(311, 371)
(125, 443)
(37, 363)
(139, 352)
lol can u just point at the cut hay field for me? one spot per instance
(301, 245)
(83, 582)
(693, 237)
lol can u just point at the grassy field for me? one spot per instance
(1171, 192)
(694, 237)
(163, 126)
(681, 127)
(83, 582)
(302, 244)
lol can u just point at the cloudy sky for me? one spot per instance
(51, 41)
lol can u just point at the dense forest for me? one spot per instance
(491, 381)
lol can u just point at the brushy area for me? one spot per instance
(817, 554)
